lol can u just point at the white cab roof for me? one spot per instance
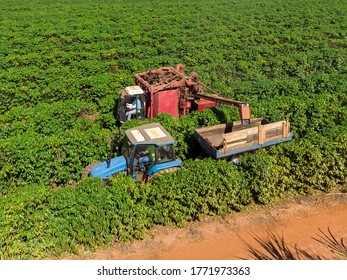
(152, 133)
(134, 90)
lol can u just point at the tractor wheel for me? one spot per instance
(88, 168)
(167, 170)
(200, 157)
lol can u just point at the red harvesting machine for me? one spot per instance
(169, 90)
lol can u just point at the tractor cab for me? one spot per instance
(149, 149)
(146, 151)
(131, 104)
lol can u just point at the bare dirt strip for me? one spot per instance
(297, 220)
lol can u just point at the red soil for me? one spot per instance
(297, 220)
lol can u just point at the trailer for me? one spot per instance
(228, 140)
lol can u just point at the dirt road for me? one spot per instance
(297, 220)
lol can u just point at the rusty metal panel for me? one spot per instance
(205, 104)
(166, 102)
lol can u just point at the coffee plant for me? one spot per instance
(63, 64)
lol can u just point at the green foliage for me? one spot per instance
(26, 224)
(62, 66)
(201, 188)
(48, 144)
(266, 176)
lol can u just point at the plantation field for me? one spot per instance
(63, 63)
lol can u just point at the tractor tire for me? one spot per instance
(88, 168)
(200, 157)
(167, 170)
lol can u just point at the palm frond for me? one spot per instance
(274, 247)
(337, 247)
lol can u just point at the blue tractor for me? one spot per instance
(146, 151)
